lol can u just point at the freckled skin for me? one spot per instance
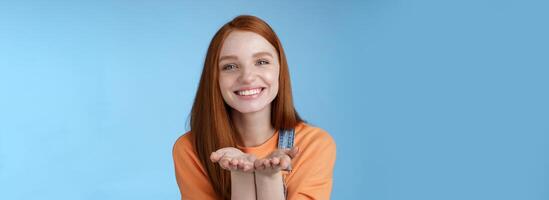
(245, 70)
(248, 71)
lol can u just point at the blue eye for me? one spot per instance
(229, 67)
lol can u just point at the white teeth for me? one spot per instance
(249, 92)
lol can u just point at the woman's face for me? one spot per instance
(248, 71)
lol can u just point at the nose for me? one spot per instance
(247, 75)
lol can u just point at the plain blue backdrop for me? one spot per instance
(426, 100)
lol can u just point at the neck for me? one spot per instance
(254, 128)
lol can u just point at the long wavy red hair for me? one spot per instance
(211, 125)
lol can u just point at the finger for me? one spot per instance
(249, 163)
(242, 165)
(215, 156)
(284, 164)
(258, 165)
(236, 166)
(234, 162)
(275, 167)
(243, 160)
(248, 167)
(251, 167)
(224, 166)
(293, 152)
(275, 161)
(267, 163)
(224, 162)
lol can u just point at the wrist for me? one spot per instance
(241, 174)
(269, 186)
(267, 176)
(242, 185)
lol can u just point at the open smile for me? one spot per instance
(249, 93)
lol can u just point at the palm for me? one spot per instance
(233, 159)
(278, 160)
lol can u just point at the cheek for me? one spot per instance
(224, 82)
(272, 78)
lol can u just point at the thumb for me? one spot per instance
(293, 152)
(215, 156)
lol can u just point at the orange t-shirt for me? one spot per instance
(310, 178)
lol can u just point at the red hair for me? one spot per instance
(211, 125)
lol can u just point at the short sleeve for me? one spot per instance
(313, 176)
(191, 178)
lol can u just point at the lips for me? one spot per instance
(249, 91)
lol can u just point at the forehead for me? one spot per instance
(245, 43)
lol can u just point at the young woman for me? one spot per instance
(246, 139)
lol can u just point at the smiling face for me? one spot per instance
(248, 72)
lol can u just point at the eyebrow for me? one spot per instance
(258, 54)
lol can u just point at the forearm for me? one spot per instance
(269, 186)
(242, 185)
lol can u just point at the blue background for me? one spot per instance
(425, 99)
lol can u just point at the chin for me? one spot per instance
(249, 109)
